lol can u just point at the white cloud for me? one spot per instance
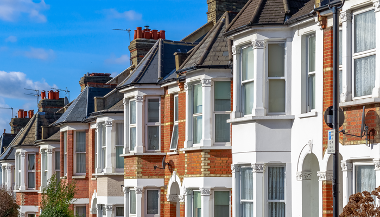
(11, 39)
(118, 60)
(10, 10)
(40, 53)
(128, 15)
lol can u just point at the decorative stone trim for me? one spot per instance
(108, 123)
(325, 176)
(304, 176)
(235, 168)
(346, 15)
(139, 98)
(49, 151)
(188, 86)
(109, 207)
(206, 82)
(258, 44)
(346, 166)
(258, 168)
(139, 190)
(376, 5)
(173, 198)
(22, 154)
(235, 50)
(205, 191)
(126, 190)
(125, 101)
(377, 164)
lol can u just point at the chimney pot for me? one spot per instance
(20, 113)
(139, 32)
(43, 94)
(25, 114)
(162, 34)
(31, 113)
(154, 34)
(135, 35)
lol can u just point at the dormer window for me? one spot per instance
(247, 82)
(153, 124)
(197, 113)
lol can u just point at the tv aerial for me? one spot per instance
(36, 94)
(364, 130)
(8, 108)
(127, 30)
(163, 165)
(67, 91)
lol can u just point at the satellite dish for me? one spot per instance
(163, 162)
(363, 122)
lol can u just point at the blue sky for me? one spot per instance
(51, 44)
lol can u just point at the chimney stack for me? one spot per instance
(216, 8)
(95, 80)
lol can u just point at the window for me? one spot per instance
(31, 171)
(132, 202)
(132, 125)
(365, 178)
(119, 145)
(197, 114)
(364, 58)
(340, 62)
(44, 167)
(96, 149)
(153, 202)
(65, 153)
(246, 191)
(276, 191)
(103, 145)
(80, 211)
(57, 165)
(197, 205)
(80, 152)
(276, 77)
(18, 177)
(310, 72)
(1, 176)
(153, 124)
(174, 142)
(221, 203)
(104, 211)
(119, 211)
(31, 215)
(222, 109)
(247, 80)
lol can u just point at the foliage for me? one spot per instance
(8, 205)
(57, 197)
(362, 204)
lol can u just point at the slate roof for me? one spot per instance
(82, 106)
(269, 12)
(5, 140)
(157, 63)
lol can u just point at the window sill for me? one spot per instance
(206, 148)
(79, 177)
(145, 153)
(172, 153)
(33, 191)
(308, 115)
(258, 118)
(107, 174)
(359, 102)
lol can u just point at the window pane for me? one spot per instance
(31, 180)
(276, 209)
(132, 202)
(276, 182)
(246, 188)
(57, 157)
(44, 160)
(81, 163)
(132, 110)
(248, 98)
(365, 178)
(365, 75)
(340, 47)
(174, 138)
(276, 60)
(152, 201)
(119, 160)
(247, 209)
(197, 131)
(80, 142)
(103, 158)
(222, 96)
(132, 141)
(153, 110)
(103, 135)
(340, 82)
(120, 133)
(65, 141)
(119, 211)
(153, 138)
(277, 95)
(312, 53)
(104, 210)
(31, 161)
(221, 204)
(311, 91)
(197, 204)
(197, 99)
(365, 31)
(176, 108)
(247, 63)
(222, 128)
(81, 211)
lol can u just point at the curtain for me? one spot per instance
(103, 158)
(152, 201)
(174, 137)
(311, 91)
(248, 97)
(57, 157)
(132, 138)
(80, 149)
(81, 211)
(65, 153)
(246, 188)
(365, 75)
(221, 204)
(132, 202)
(103, 135)
(247, 64)
(247, 209)
(153, 110)
(311, 53)
(120, 134)
(81, 163)
(365, 178)
(277, 95)
(222, 128)
(197, 104)
(197, 207)
(80, 142)
(340, 82)
(276, 209)
(222, 96)
(31, 180)
(119, 145)
(276, 181)
(197, 131)
(176, 108)
(31, 161)
(365, 31)
(276, 60)
(132, 112)
(119, 160)
(153, 138)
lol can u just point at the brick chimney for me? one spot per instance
(216, 8)
(95, 80)
(20, 121)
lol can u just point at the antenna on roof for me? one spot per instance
(36, 94)
(129, 32)
(67, 91)
(363, 129)
(8, 108)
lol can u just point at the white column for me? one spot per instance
(236, 109)
(347, 181)
(9, 176)
(205, 201)
(99, 148)
(206, 112)
(188, 202)
(109, 148)
(139, 201)
(23, 171)
(109, 210)
(235, 190)
(126, 202)
(259, 78)
(376, 89)
(189, 116)
(139, 125)
(49, 153)
(347, 88)
(126, 125)
(258, 189)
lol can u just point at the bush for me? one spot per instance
(362, 204)
(8, 205)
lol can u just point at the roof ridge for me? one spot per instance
(256, 13)
(118, 75)
(26, 129)
(143, 70)
(197, 30)
(236, 17)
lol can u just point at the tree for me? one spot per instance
(362, 204)
(8, 205)
(57, 197)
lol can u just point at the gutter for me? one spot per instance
(204, 67)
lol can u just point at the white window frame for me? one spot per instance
(146, 202)
(65, 153)
(30, 171)
(151, 124)
(276, 78)
(75, 153)
(240, 185)
(118, 145)
(308, 72)
(118, 206)
(360, 55)
(129, 202)
(132, 125)
(242, 100)
(193, 115)
(266, 188)
(103, 145)
(30, 214)
(354, 170)
(340, 89)
(219, 112)
(96, 142)
(80, 205)
(44, 151)
(175, 122)
(18, 170)
(55, 165)
(192, 201)
(213, 201)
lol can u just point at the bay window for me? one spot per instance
(65, 153)
(18, 171)
(132, 125)
(119, 211)
(247, 80)
(197, 113)
(80, 211)
(96, 149)
(340, 62)
(153, 124)
(221, 203)
(119, 145)
(365, 178)
(197, 205)
(246, 192)
(132, 202)
(103, 145)
(44, 167)
(276, 77)
(80, 152)
(222, 109)
(152, 202)
(276, 191)
(31, 171)
(364, 53)
(310, 72)
(57, 166)
(174, 141)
